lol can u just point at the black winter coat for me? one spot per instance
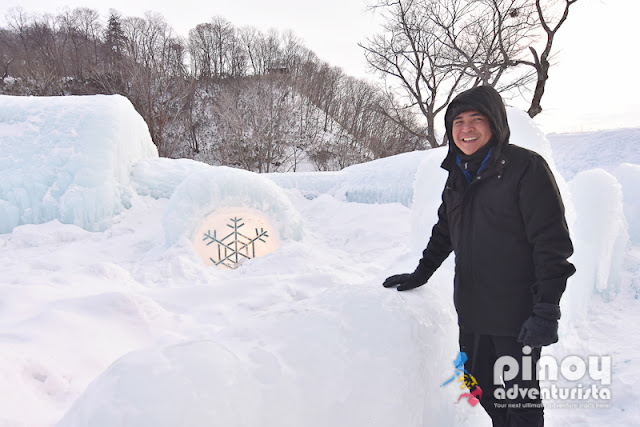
(507, 230)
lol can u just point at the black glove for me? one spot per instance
(404, 281)
(542, 327)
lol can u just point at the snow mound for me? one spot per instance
(629, 177)
(600, 239)
(388, 180)
(427, 197)
(68, 158)
(159, 177)
(605, 149)
(525, 133)
(381, 360)
(196, 189)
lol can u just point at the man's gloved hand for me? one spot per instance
(542, 327)
(403, 281)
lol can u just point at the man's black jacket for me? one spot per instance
(507, 229)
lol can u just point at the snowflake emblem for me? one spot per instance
(235, 247)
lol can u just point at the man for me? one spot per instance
(503, 216)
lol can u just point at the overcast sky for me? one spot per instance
(593, 86)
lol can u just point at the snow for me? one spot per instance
(315, 368)
(194, 189)
(361, 183)
(110, 317)
(605, 149)
(628, 175)
(601, 228)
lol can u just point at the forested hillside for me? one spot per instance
(222, 95)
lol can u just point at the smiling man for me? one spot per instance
(502, 215)
(471, 131)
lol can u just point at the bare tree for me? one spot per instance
(434, 48)
(223, 34)
(483, 37)
(249, 39)
(257, 122)
(201, 51)
(91, 28)
(266, 52)
(541, 62)
(156, 74)
(78, 34)
(8, 52)
(410, 50)
(216, 50)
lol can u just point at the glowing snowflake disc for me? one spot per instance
(228, 237)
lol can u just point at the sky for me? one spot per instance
(590, 88)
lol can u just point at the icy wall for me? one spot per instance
(68, 158)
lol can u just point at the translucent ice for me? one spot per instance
(68, 158)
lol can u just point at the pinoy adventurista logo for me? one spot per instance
(467, 380)
(572, 382)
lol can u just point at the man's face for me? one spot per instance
(471, 131)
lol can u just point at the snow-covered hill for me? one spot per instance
(114, 320)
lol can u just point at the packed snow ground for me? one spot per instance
(109, 318)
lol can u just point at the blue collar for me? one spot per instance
(466, 173)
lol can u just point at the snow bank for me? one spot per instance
(604, 169)
(196, 189)
(355, 356)
(68, 158)
(388, 180)
(427, 197)
(600, 237)
(159, 177)
(605, 149)
(629, 177)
